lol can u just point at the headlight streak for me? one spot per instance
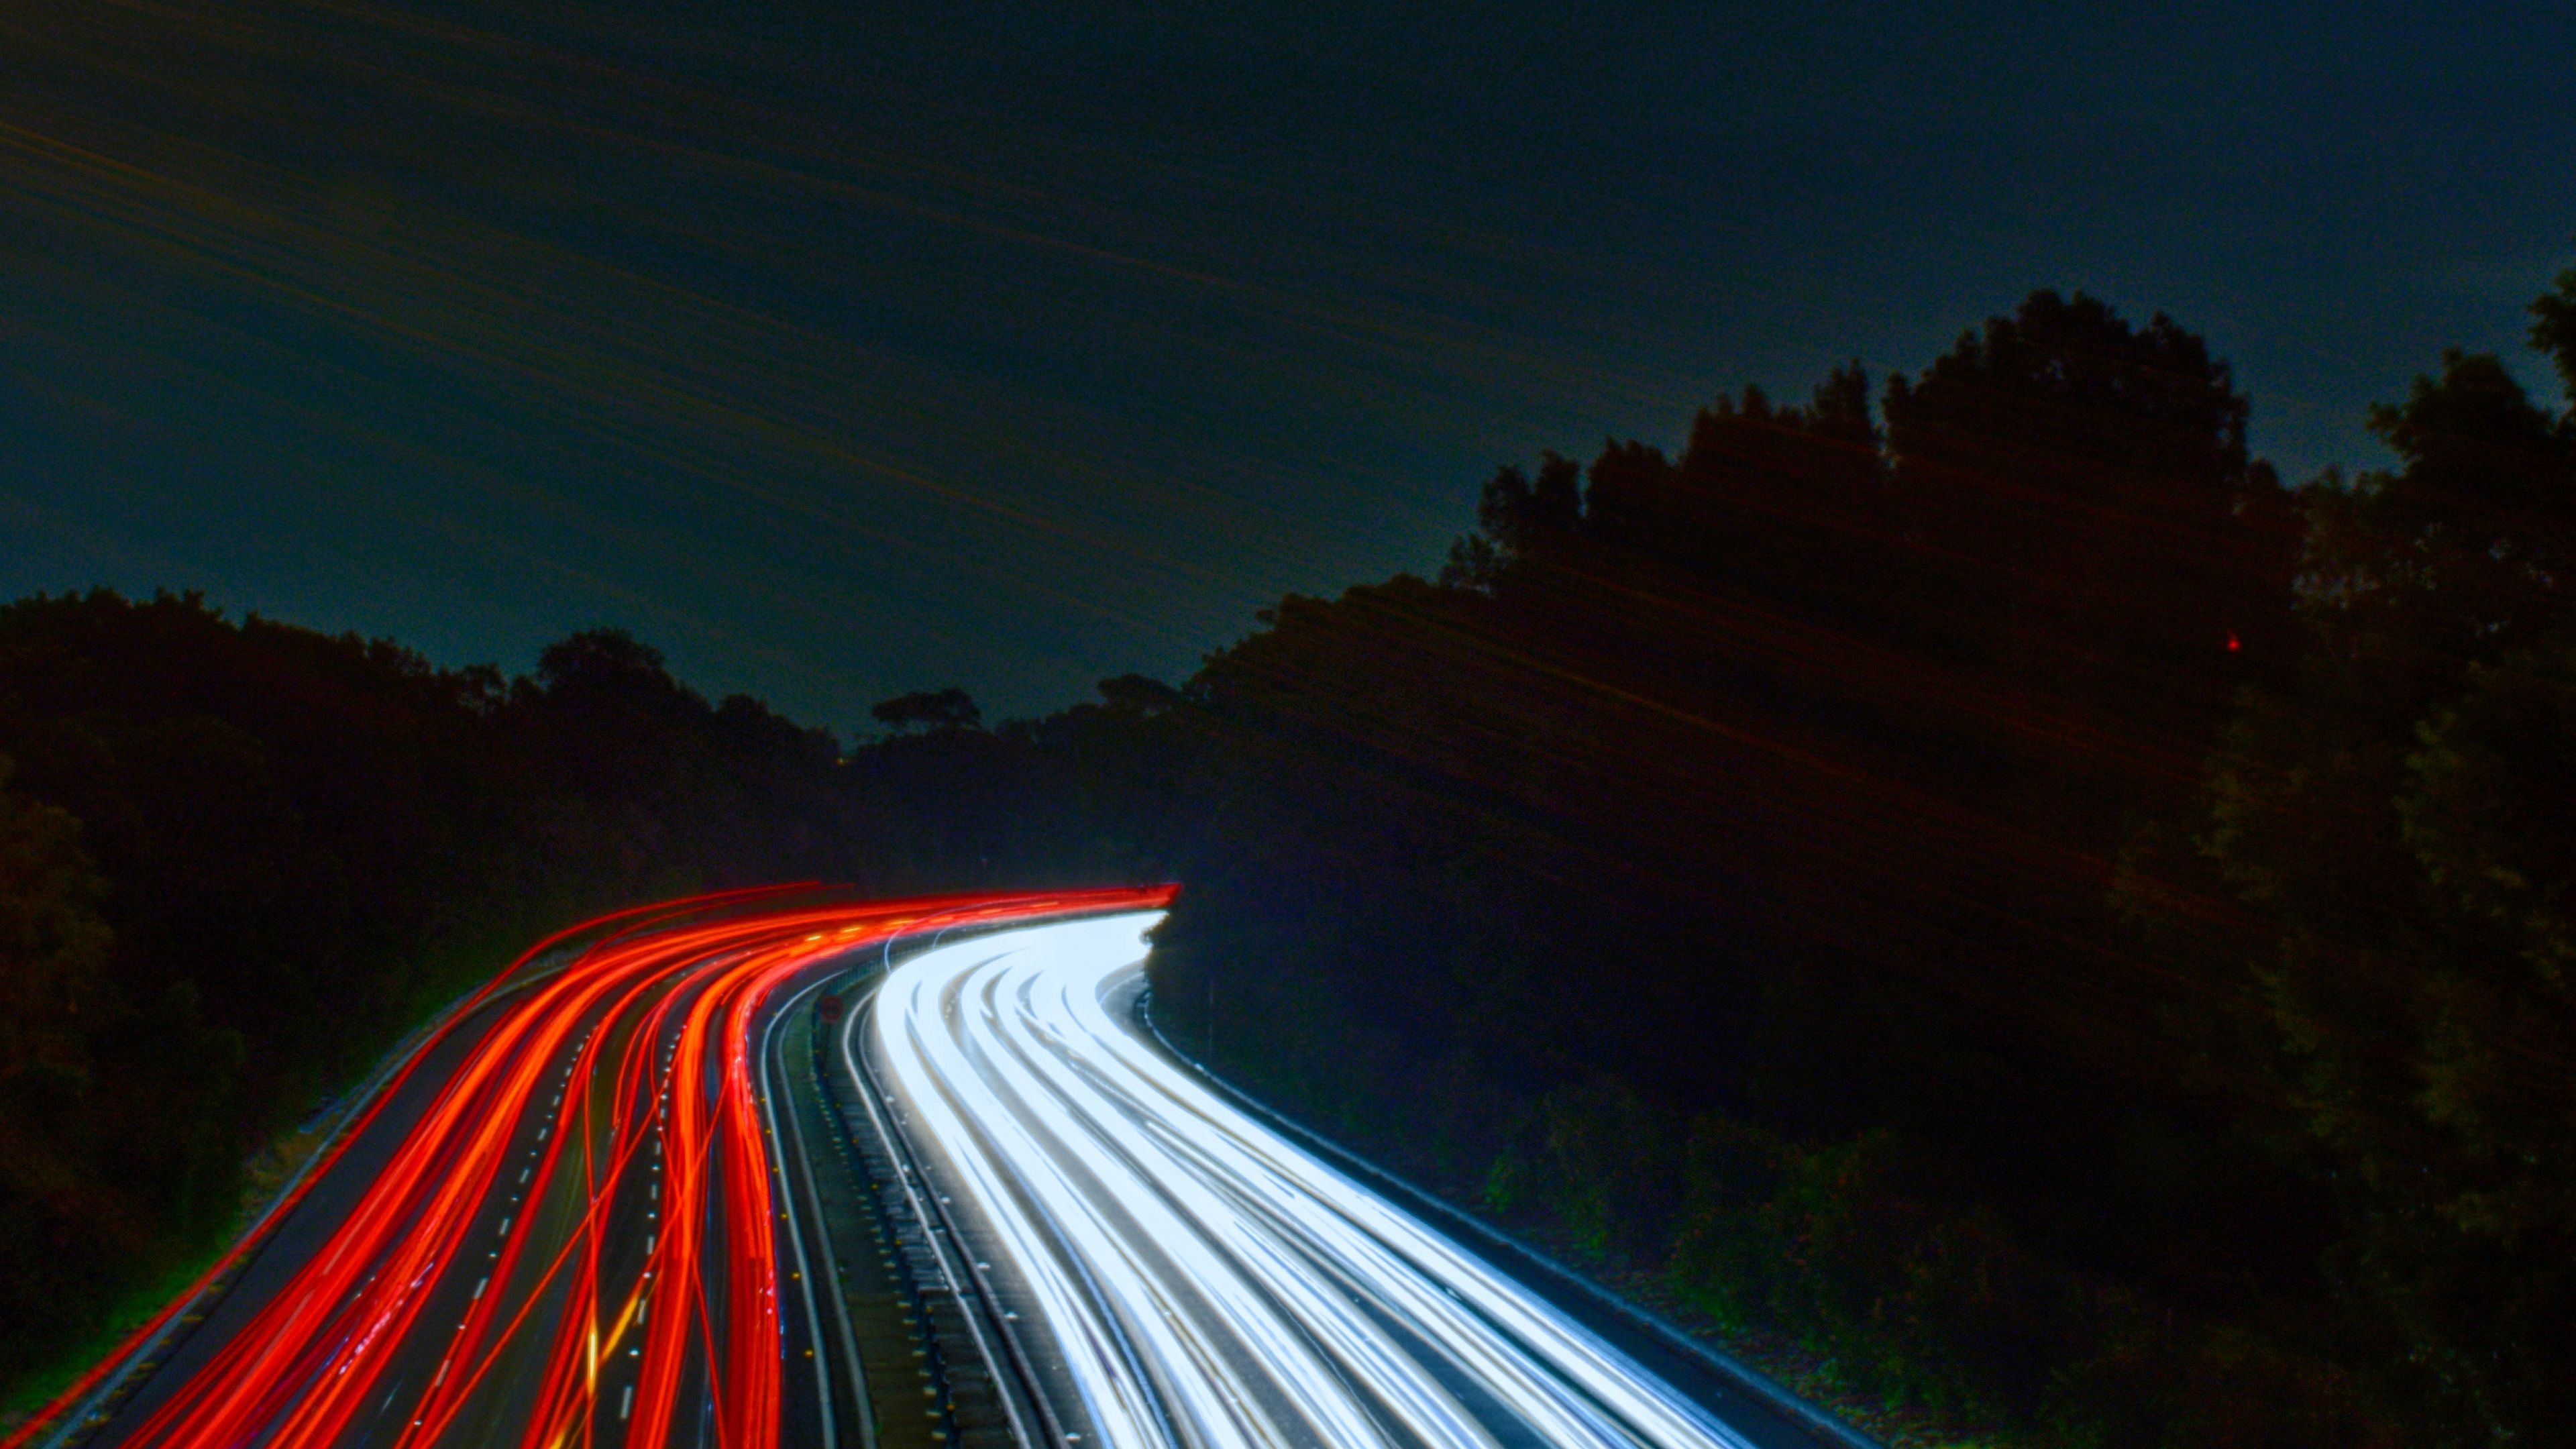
(1159, 1243)
(1145, 1216)
(609, 1105)
(1412, 1396)
(1112, 1397)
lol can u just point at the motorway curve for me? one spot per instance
(594, 1206)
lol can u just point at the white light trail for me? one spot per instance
(1207, 1282)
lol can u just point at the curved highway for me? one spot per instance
(675, 1179)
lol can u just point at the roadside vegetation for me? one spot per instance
(1965, 883)
(239, 859)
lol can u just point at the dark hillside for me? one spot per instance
(1740, 826)
(1995, 896)
(238, 858)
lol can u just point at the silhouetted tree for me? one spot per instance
(2109, 543)
(932, 709)
(2398, 820)
(1137, 694)
(1781, 781)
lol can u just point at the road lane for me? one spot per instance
(1198, 1279)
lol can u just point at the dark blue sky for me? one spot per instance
(843, 350)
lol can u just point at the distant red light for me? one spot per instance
(2232, 645)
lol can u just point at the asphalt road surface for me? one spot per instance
(643, 1190)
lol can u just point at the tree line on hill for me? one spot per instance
(1969, 879)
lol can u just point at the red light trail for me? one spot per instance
(580, 1267)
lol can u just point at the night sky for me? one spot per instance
(842, 350)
